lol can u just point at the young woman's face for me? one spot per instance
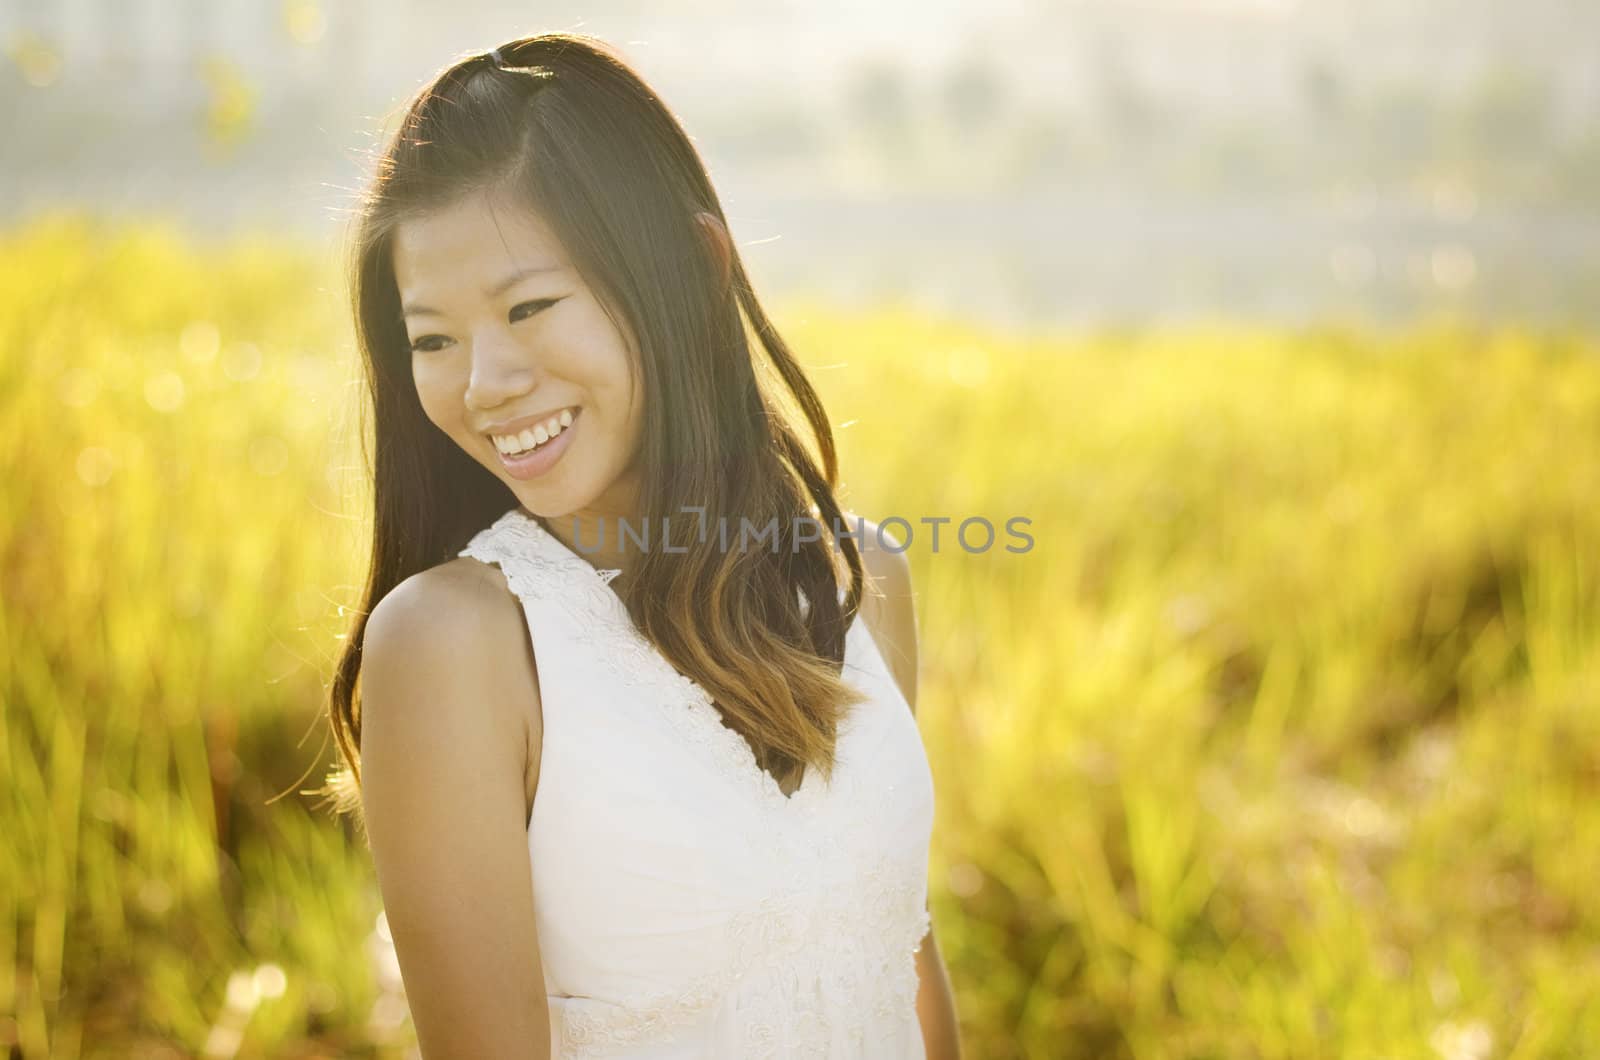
(510, 349)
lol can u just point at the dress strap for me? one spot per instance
(537, 566)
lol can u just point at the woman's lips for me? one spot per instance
(537, 462)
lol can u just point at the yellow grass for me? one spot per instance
(1283, 740)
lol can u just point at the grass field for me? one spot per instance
(1282, 741)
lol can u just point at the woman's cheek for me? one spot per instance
(433, 377)
(432, 393)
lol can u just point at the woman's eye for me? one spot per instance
(426, 345)
(518, 310)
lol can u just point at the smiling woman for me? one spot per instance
(481, 280)
(680, 812)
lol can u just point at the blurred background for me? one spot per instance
(1065, 160)
(1276, 317)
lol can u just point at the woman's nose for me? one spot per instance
(501, 369)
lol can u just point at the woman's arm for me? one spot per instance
(936, 1006)
(889, 608)
(444, 739)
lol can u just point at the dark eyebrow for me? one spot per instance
(411, 309)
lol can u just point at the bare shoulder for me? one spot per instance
(462, 597)
(443, 797)
(459, 621)
(888, 606)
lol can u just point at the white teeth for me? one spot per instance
(515, 444)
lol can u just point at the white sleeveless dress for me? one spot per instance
(686, 907)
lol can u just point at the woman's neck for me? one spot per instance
(594, 532)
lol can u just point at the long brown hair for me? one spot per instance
(563, 122)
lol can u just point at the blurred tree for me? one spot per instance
(1401, 128)
(1579, 170)
(879, 100)
(1044, 149)
(767, 131)
(1322, 90)
(1508, 112)
(1131, 113)
(972, 96)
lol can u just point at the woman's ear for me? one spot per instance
(718, 242)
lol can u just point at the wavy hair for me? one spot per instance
(567, 127)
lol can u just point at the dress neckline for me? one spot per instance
(605, 574)
(732, 747)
